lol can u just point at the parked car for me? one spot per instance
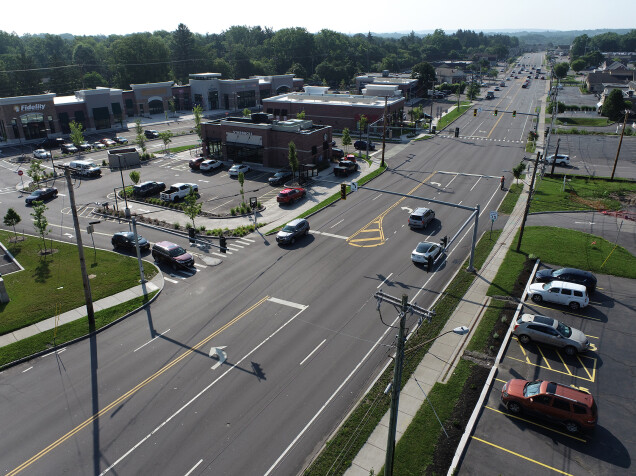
(98, 146)
(561, 159)
(178, 191)
(290, 195)
(146, 189)
(126, 240)
(280, 177)
(421, 217)
(294, 229)
(85, 168)
(570, 407)
(68, 148)
(237, 168)
(337, 153)
(108, 142)
(195, 164)
(151, 134)
(41, 154)
(42, 195)
(51, 143)
(362, 145)
(84, 146)
(546, 330)
(426, 253)
(172, 254)
(211, 164)
(569, 275)
(121, 140)
(568, 294)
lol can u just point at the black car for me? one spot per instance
(126, 240)
(337, 153)
(51, 143)
(280, 177)
(41, 195)
(150, 134)
(147, 189)
(362, 145)
(569, 275)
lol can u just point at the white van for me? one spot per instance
(85, 168)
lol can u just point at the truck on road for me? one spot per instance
(490, 95)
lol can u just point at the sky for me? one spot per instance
(215, 16)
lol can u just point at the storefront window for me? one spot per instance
(63, 117)
(33, 126)
(130, 108)
(198, 100)
(51, 125)
(245, 99)
(101, 116)
(214, 148)
(155, 106)
(244, 153)
(213, 99)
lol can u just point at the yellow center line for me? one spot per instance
(521, 456)
(132, 391)
(536, 424)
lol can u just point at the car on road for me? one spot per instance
(195, 164)
(41, 154)
(362, 145)
(497, 88)
(545, 330)
(42, 195)
(290, 195)
(294, 229)
(561, 159)
(426, 253)
(126, 240)
(570, 407)
(121, 140)
(238, 168)
(146, 189)
(421, 217)
(151, 134)
(569, 275)
(567, 294)
(68, 148)
(280, 177)
(172, 254)
(108, 142)
(210, 164)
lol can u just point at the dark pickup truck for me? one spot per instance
(344, 168)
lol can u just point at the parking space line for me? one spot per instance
(586, 371)
(523, 350)
(536, 424)
(520, 455)
(499, 380)
(557, 371)
(542, 355)
(564, 364)
(568, 313)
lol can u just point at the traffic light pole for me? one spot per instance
(525, 213)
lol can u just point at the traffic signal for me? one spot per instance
(429, 263)
(343, 191)
(223, 244)
(475, 112)
(514, 113)
(496, 112)
(444, 242)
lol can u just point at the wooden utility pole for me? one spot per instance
(525, 213)
(383, 131)
(620, 142)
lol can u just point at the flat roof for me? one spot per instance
(335, 99)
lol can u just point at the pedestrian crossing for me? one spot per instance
(5, 190)
(510, 141)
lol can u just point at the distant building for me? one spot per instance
(450, 75)
(402, 81)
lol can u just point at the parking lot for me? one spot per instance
(502, 443)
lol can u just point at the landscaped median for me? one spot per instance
(51, 284)
(446, 119)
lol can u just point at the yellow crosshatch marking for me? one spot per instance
(374, 227)
(510, 415)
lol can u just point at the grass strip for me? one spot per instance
(182, 148)
(481, 335)
(510, 200)
(52, 284)
(580, 193)
(340, 451)
(67, 332)
(584, 121)
(454, 114)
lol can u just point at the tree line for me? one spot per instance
(35, 64)
(587, 51)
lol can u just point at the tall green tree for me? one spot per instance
(198, 112)
(12, 219)
(183, 52)
(191, 208)
(166, 137)
(40, 222)
(346, 139)
(241, 181)
(561, 70)
(425, 74)
(36, 171)
(292, 156)
(140, 136)
(77, 136)
(615, 105)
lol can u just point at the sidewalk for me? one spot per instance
(79, 313)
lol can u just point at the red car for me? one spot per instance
(290, 195)
(108, 142)
(195, 164)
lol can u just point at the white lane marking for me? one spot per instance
(584, 222)
(337, 223)
(329, 234)
(248, 239)
(451, 181)
(156, 337)
(214, 382)
(26, 370)
(219, 254)
(55, 352)
(375, 198)
(385, 280)
(312, 352)
(173, 281)
(237, 246)
(243, 242)
(200, 265)
(193, 468)
(282, 302)
(475, 184)
(466, 175)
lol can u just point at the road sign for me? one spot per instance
(493, 215)
(20, 172)
(354, 186)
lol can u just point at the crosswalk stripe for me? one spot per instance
(200, 266)
(171, 280)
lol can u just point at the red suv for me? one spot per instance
(561, 404)
(195, 164)
(290, 195)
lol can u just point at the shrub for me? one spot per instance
(176, 225)
(202, 228)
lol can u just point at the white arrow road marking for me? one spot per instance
(217, 352)
(142, 210)
(410, 210)
(69, 235)
(437, 184)
(584, 222)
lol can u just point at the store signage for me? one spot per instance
(244, 137)
(29, 107)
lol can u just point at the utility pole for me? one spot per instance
(525, 213)
(386, 99)
(556, 154)
(620, 142)
(80, 247)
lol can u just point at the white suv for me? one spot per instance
(560, 159)
(568, 294)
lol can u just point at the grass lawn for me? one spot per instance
(584, 121)
(581, 193)
(510, 200)
(583, 251)
(454, 114)
(181, 148)
(52, 284)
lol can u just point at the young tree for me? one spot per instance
(247, 112)
(172, 106)
(292, 155)
(198, 112)
(141, 138)
(241, 181)
(36, 171)
(77, 137)
(12, 219)
(363, 124)
(166, 137)
(39, 220)
(416, 113)
(300, 115)
(346, 139)
(518, 171)
(191, 208)
(135, 176)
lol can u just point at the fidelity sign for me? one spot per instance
(29, 107)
